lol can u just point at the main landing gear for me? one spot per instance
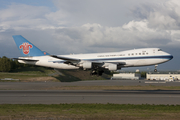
(97, 72)
(155, 70)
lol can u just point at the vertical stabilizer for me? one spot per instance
(26, 48)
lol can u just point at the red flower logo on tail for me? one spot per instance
(25, 47)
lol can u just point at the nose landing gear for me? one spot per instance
(155, 70)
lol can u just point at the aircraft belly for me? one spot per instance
(64, 66)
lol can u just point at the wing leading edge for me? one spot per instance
(74, 61)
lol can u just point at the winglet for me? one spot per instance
(26, 48)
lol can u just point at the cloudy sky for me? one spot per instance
(91, 26)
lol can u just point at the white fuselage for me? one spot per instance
(129, 58)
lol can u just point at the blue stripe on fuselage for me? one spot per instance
(169, 57)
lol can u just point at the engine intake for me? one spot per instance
(112, 67)
(87, 65)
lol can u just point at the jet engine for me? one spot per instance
(112, 67)
(87, 65)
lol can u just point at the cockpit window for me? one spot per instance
(159, 50)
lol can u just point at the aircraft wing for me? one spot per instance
(65, 58)
(71, 61)
(74, 60)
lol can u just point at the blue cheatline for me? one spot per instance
(26, 48)
(168, 57)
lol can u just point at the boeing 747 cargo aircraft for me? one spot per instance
(97, 62)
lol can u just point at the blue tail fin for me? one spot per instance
(26, 48)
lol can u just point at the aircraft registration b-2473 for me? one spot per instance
(97, 62)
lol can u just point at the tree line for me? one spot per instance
(7, 64)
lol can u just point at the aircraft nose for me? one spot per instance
(170, 57)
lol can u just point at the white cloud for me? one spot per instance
(97, 38)
(164, 16)
(57, 18)
(21, 16)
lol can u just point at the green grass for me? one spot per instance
(34, 72)
(90, 111)
(27, 73)
(85, 75)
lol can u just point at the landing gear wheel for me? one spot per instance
(93, 72)
(155, 70)
(96, 72)
(100, 72)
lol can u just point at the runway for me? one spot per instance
(51, 85)
(49, 93)
(89, 96)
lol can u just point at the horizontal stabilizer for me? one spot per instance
(26, 60)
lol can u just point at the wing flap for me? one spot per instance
(71, 61)
(118, 63)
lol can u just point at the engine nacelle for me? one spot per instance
(87, 65)
(112, 67)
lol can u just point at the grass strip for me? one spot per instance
(89, 111)
(27, 73)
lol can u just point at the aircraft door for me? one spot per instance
(154, 52)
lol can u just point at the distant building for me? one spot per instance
(131, 76)
(169, 77)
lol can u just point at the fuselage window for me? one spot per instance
(139, 53)
(159, 50)
(132, 54)
(136, 53)
(143, 53)
(146, 53)
(129, 54)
